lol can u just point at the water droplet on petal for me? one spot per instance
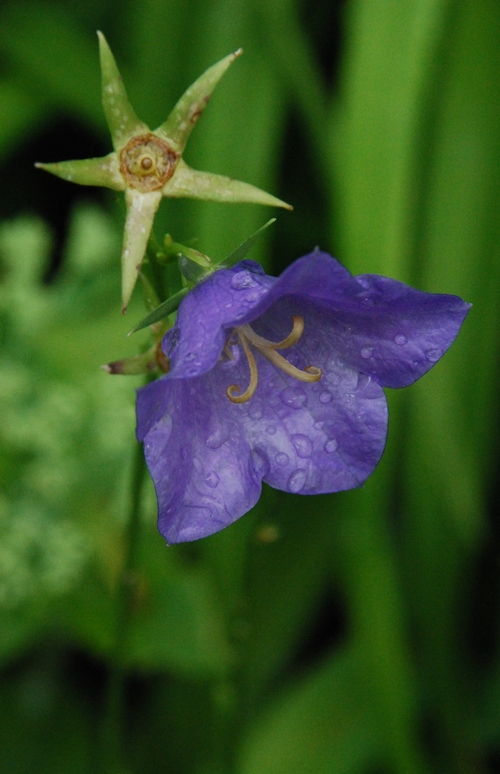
(331, 446)
(325, 397)
(294, 397)
(255, 410)
(282, 459)
(217, 437)
(261, 462)
(433, 355)
(296, 481)
(271, 429)
(241, 280)
(363, 282)
(363, 382)
(190, 356)
(212, 479)
(303, 445)
(400, 339)
(366, 352)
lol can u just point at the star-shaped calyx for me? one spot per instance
(149, 165)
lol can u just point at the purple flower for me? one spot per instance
(279, 379)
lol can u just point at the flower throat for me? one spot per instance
(248, 339)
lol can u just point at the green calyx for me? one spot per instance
(147, 165)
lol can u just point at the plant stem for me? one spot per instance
(112, 752)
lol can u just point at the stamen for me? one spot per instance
(268, 349)
(310, 374)
(253, 376)
(292, 338)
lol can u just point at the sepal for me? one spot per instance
(162, 311)
(141, 209)
(185, 115)
(103, 171)
(120, 115)
(194, 184)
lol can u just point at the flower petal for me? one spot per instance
(310, 437)
(198, 456)
(378, 326)
(218, 303)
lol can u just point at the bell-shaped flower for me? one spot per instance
(148, 165)
(280, 380)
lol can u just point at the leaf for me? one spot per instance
(245, 247)
(323, 724)
(162, 311)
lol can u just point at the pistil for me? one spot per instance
(247, 337)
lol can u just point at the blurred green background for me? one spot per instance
(342, 634)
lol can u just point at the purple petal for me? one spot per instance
(312, 438)
(220, 302)
(199, 459)
(208, 456)
(376, 325)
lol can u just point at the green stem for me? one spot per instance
(112, 753)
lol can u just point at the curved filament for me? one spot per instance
(254, 378)
(292, 338)
(310, 374)
(268, 349)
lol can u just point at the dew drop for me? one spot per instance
(271, 429)
(255, 410)
(303, 445)
(325, 397)
(241, 280)
(362, 383)
(217, 437)
(331, 446)
(366, 352)
(282, 459)
(401, 339)
(433, 355)
(212, 479)
(261, 462)
(295, 398)
(296, 481)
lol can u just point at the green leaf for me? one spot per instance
(323, 724)
(162, 311)
(245, 247)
